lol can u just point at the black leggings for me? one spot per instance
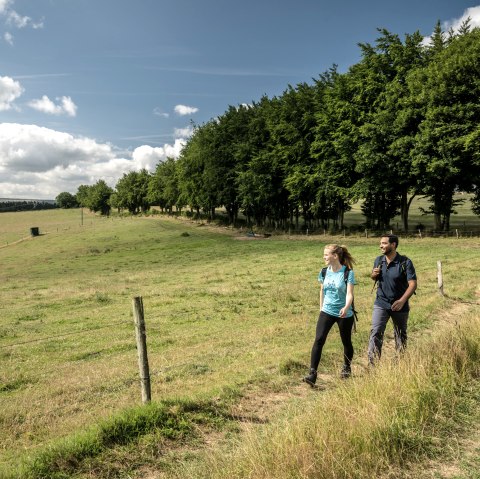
(324, 325)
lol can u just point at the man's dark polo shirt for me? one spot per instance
(393, 282)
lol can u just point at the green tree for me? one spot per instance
(335, 142)
(163, 187)
(388, 128)
(291, 132)
(446, 147)
(132, 191)
(66, 200)
(97, 197)
(82, 195)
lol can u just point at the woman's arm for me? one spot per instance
(348, 301)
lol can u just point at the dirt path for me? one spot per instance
(258, 407)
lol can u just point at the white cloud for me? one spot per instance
(183, 110)
(158, 111)
(43, 162)
(38, 162)
(14, 19)
(17, 20)
(4, 5)
(148, 157)
(45, 105)
(183, 132)
(472, 12)
(453, 25)
(10, 90)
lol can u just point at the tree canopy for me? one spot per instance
(403, 121)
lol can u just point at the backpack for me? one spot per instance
(323, 273)
(403, 263)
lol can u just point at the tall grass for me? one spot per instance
(223, 317)
(400, 413)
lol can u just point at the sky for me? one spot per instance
(94, 89)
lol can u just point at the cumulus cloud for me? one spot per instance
(148, 157)
(183, 110)
(43, 162)
(10, 90)
(38, 162)
(65, 107)
(472, 13)
(183, 132)
(8, 37)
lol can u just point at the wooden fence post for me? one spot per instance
(440, 278)
(142, 349)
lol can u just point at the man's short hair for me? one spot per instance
(391, 239)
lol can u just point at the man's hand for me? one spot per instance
(376, 272)
(398, 305)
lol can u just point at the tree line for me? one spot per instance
(402, 122)
(25, 205)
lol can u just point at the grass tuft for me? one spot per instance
(401, 413)
(168, 420)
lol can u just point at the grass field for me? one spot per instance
(463, 219)
(227, 319)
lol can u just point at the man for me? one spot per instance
(397, 281)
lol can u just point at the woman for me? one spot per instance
(336, 298)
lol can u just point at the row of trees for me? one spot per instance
(404, 121)
(25, 205)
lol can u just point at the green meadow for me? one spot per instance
(230, 322)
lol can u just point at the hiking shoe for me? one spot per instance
(311, 378)
(346, 371)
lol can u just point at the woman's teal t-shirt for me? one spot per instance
(335, 290)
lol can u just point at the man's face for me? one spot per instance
(386, 247)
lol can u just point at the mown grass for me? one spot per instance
(462, 219)
(222, 316)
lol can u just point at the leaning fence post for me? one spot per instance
(440, 278)
(142, 349)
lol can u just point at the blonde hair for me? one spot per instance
(344, 256)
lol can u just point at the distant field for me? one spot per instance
(464, 219)
(222, 314)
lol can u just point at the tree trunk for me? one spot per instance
(404, 208)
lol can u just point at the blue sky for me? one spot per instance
(92, 89)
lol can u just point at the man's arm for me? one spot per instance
(399, 303)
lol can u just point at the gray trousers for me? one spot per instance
(380, 318)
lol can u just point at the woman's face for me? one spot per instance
(329, 256)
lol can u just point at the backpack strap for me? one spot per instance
(378, 261)
(355, 314)
(323, 273)
(403, 266)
